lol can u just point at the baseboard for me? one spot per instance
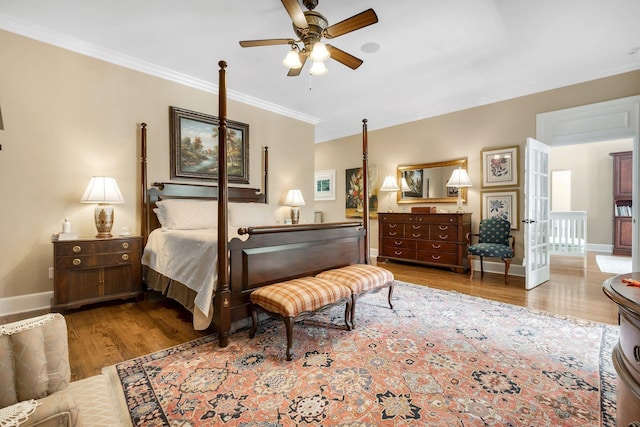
(25, 303)
(498, 267)
(598, 247)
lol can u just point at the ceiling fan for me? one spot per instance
(311, 27)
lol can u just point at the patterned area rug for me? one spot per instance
(439, 359)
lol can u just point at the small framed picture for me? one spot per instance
(500, 167)
(325, 187)
(501, 204)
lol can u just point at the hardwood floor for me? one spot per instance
(105, 334)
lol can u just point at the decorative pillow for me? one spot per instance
(251, 214)
(187, 214)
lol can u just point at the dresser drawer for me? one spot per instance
(399, 244)
(444, 232)
(101, 260)
(437, 257)
(416, 231)
(73, 248)
(398, 253)
(436, 246)
(392, 230)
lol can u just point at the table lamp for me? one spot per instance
(459, 179)
(104, 191)
(294, 199)
(390, 185)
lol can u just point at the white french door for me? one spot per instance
(536, 211)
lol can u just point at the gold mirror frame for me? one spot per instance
(444, 173)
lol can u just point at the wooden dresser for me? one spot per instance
(437, 239)
(626, 354)
(87, 271)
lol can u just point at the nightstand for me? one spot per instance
(88, 271)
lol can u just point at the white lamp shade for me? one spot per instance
(404, 185)
(390, 184)
(294, 198)
(292, 60)
(319, 52)
(318, 68)
(459, 178)
(102, 189)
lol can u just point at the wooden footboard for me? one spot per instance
(279, 253)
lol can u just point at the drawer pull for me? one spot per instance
(443, 227)
(397, 252)
(77, 261)
(397, 243)
(436, 257)
(392, 233)
(443, 236)
(434, 246)
(416, 235)
(125, 245)
(636, 353)
(77, 249)
(450, 219)
(416, 227)
(125, 257)
(393, 225)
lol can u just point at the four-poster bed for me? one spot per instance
(250, 256)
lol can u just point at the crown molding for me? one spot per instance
(79, 46)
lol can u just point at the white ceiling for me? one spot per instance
(434, 56)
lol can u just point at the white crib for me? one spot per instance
(568, 233)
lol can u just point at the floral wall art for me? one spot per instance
(354, 192)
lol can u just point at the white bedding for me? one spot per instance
(190, 257)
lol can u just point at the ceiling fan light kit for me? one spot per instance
(310, 27)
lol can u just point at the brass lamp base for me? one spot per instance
(295, 214)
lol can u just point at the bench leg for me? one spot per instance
(390, 295)
(288, 324)
(350, 313)
(254, 319)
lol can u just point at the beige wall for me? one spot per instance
(68, 117)
(591, 169)
(460, 134)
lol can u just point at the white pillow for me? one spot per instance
(187, 214)
(251, 214)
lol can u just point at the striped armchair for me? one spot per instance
(493, 241)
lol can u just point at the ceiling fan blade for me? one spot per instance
(295, 12)
(356, 22)
(293, 72)
(268, 42)
(344, 57)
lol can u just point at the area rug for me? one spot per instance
(438, 358)
(614, 264)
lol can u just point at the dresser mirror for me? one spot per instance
(427, 182)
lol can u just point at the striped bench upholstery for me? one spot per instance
(360, 278)
(296, 297)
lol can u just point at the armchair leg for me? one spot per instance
(470, 266)
(507, 264)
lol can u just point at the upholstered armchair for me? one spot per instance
(493, 241)
(35, 386)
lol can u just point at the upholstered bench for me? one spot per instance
(361, 279)
(297, 297)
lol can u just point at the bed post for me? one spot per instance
(222, 300)
(265, 171)
(144, 223)
(365, 190)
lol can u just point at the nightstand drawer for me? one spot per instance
(81, 247)
(101, 260)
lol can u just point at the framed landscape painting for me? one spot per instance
(194, 146)
(500, 167)
(501, 204)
